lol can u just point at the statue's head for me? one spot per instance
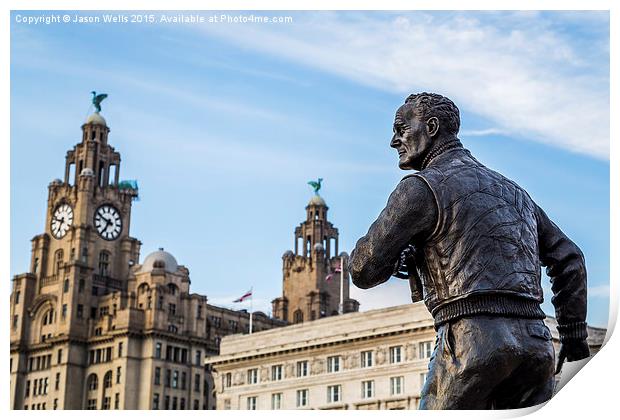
(424, 120)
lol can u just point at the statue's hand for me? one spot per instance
(404, 264)
(572, 350)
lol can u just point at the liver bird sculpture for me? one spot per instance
(316, 185)
(97, 100)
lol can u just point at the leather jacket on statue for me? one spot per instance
(479, 242)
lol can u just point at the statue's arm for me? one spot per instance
(567, 269)
(409, 216)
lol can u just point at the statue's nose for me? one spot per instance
(394, 142)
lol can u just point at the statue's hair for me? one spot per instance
(426, 105)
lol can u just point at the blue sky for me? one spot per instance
(223, 124)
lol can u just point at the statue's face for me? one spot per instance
(411, 138)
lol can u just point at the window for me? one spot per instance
(59, 358)
(106, 403)
(172, 289)
(107, 379)
(158, 350)
(155, 401)
(81, 286)
(426, 349)
(232, 324)
(104, 259)
(157, 376)
(118, 375)
(396, 354)
(217, 321)
(65, 286)
(182, 404)
(368, 389)
(276, 401)
(92, 404)
(35, 266)
(333, 393)
(17, 297)
(15, 321)
(174, 403)
(302, 397)
(58, 256)
(55, 403)
(196, 405)
(27, 393)
(197, 382)
(252, 403)
(175, 379)
(228, 380)
(92, 382)
(120, 349)
(366, 359)
(396, 385)
(302, 368)
(80, 311)
(57, 383)
(333, 364)
(199, 312)
(166, 402)
(198, 357)
(276, 373)
(252, 376)
(64, 310)
(167, 378)
(172, 308)
(117, 400)
(95, 291)
(183, 380)
(93, 312)
(298, 316)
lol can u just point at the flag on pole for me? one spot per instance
(244, 297)
(331, 275)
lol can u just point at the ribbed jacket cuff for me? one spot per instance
(573, 331)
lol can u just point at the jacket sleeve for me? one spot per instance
(410, 214)
(567, 269)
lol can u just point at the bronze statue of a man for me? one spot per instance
(472, 243)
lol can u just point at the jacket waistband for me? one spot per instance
(495, 304)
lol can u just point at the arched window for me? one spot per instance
(92, 382)
(298, 316)
(172, 289)
(107, 380)
(58, 257)
(143, 288)
(104, 258)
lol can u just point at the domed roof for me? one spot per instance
(288, 254)
(96, 118)
(317, 200)
(87, 172)
(160, 259)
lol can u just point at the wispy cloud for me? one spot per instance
(517, 70)
(483, 132)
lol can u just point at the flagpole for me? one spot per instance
(341, 285)
(251, 299)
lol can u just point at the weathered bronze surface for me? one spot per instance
(471, 243)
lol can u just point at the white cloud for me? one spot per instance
(515, 70)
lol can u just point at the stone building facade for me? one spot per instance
(311, 275)
(91, 327)
(369, 360)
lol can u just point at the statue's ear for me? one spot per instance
(432, 126)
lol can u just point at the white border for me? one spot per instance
(590, 394)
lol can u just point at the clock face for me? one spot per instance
(62, 218)
(108, 222)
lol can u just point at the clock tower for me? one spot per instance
(311, 274)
